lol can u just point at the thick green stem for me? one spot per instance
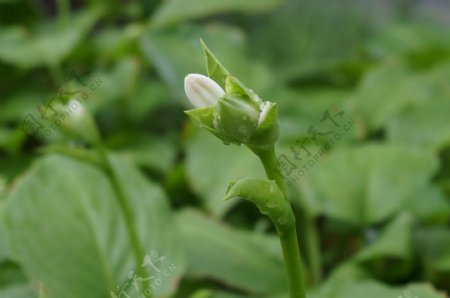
(288, 238)
(136, 246)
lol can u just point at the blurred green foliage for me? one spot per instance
(379, 195)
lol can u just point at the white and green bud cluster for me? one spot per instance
(228, 109)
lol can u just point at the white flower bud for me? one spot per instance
(201, 90)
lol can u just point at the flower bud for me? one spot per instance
(77, 121)
(201, 90)
(236, 115)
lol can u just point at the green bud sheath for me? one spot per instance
(204, 118)
(269, 199)
(236, 118)
(215, 69)
(267, 130)
(235, 88)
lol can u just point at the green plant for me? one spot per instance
(235, 114)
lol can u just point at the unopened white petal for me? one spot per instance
(265, 106)
(201, 90)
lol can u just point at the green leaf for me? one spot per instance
(372, 289)
(155, 153)
(424, 124)
(211, 166)
(401, 87)
(113, 84)
(175, 11)
(366, 184)
(11, 140)
(389, 256)
(430, 205)
(67, 229)
(19, 291)
(2, 191)
(49, 45)
(239, 259)
(18, 104)
(393, 242)
(410, 40)
(11, 274)
(433, 245)
(301, 109)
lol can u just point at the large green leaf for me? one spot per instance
(371, 289)
(2, 192)
(366, 184)
(433, 245)
(302, 109)
(19, 291)
(412, 41)
(394, 241)
(49, 45)
(18, 104)
(175, 11)
(391, 87)
(113, 84)
(430, 205)
(389, 256)
(350, 281)
(239, 259)
(157, 154)
(424, 124)
(211, 166)
(67, 229)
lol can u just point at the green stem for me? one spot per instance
(293, 263)
(269, 161)
(288, 239)
(136, 246)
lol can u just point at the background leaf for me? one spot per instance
(251, 266)
(175, 11)
(209, 174)
(377, 183)
(54, 224)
